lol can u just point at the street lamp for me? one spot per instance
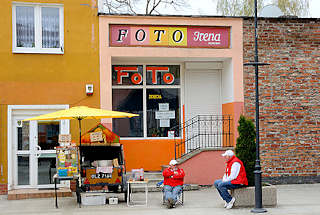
(257, 173)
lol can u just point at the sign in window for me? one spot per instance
(153, 92)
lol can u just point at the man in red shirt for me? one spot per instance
(173, 182)
(234, 177)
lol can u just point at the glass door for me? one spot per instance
(34, 152)
(22, 153)
(48, 134)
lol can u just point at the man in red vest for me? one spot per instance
(173, 182)
(234, 177)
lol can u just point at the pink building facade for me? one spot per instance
(168, 70)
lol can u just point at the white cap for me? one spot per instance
(173, 162)
(228, 153)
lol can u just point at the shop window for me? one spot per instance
(127, 75)
(163, 111)
(128, 100)
(163, 75)
(48, 134)
(156, 98)
(37, 28)
(23, 136)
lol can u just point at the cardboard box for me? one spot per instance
(93, 198)
(113, 201)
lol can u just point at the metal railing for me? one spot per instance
(203, 131)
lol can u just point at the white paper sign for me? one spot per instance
(165, 114)
(64, 138)
(96, 136)
(171, 134)
(163, 106)
(164, 123)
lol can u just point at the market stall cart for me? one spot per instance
(103, 165)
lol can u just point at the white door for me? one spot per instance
(202, 93)
(202, 97)
(34, 156)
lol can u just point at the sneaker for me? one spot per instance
(230, 204)
(225, 204)
(170, 203)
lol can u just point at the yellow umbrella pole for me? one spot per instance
(79, 119)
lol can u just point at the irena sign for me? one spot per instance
(170, 36)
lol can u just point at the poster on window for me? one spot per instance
(171, 134)
(164, 123)
(165, 115)
(162, 113)
(163, 106)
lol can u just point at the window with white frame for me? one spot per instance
(153, 92)
(37, 28)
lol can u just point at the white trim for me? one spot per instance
(9, 140)
(213, 65)
(35, 4)
(144, 102)
(33, 51)
(11, 109)
(33, 139)
(38, 26)
(148, 87)
(227, 82)
(182, 100)
(150, 138)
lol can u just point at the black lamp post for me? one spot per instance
(257, 173)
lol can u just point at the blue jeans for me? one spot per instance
(223, 188)
(172, 192)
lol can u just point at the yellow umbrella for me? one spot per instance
(80, 113)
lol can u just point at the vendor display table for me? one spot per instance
(56, 178)
(130, 201)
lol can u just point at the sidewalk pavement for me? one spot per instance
(302, 199)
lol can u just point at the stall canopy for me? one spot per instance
(82, 112)
(100, 136)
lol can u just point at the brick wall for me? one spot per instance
(289, 96)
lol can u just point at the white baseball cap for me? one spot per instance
(173, 162)
(228, 153)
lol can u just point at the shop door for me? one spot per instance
(202, 97)
(34, 160)
(202, 93)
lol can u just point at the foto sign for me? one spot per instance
(131, 74)
(170, 36)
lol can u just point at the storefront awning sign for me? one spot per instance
(170, 36)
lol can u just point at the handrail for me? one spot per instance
(203, 131)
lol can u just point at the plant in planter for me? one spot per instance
(246, 152)
(246, 146)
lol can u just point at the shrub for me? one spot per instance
(246, 146)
